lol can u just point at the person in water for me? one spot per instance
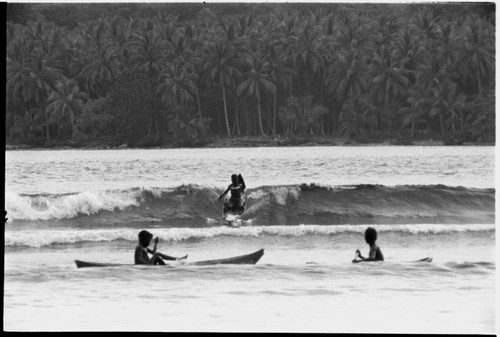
(237, 188)
(141, 251)
(375, 252)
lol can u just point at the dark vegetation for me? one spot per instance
(184, 74)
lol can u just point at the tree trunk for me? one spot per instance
(442, 124)
(247, 119)
(225, 110)
(274, 113)
(478, 82)
(236, 114)
(199, 103)
(260, 113)
(386, 108)
(324, 104)
(47, 126)
(157, 128)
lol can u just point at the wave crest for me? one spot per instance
(192, 205)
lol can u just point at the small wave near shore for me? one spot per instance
(37, 238)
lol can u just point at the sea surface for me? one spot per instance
(307, 207)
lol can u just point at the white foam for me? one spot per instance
(52, 207)
(40, 238)
(279, 193)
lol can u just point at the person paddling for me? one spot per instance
(141, 251)
(237, 188)
(375, 253)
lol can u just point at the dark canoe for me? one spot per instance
(243, 259)
(84, 264)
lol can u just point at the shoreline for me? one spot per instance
(244, 141)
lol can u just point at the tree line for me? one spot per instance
(160, 74)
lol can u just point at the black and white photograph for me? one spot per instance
(251, 166)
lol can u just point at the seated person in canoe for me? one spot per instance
(375, 253)
(141, 251)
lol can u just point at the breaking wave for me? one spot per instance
(197, 206)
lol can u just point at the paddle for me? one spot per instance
(165, 256)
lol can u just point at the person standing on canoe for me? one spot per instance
(237, 188)
(375, 252)
(141, 251)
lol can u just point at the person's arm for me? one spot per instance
(153, 251)
(154, 247)
(242, 182)
(375, 255)
(163, 256)
(225, 192)
(361, 258)
(358, 257)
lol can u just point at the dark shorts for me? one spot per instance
(234, 206)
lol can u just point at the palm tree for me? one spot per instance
(348, 76)
(234, 34)
(221, 65)
(419, 108)
(310, 114)
(357, 115)
(447, 48)
(66, 101)
(354, 36)
(284, 35)
(279, 72)
(185, 47)
(258, 79)
(409, 52)
(120, 35)
(28, 126)
(389, 81)
(40, 34)
(425, 24)
(447, 105)
(147, 49)
(307, 54)
(388, 25)
(288, 114)
(30, 79)
(477, 54)
(177, 84)
(481, 119)
(100, 66)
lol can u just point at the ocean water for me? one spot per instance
(307, 207)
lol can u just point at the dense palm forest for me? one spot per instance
(184, 74)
